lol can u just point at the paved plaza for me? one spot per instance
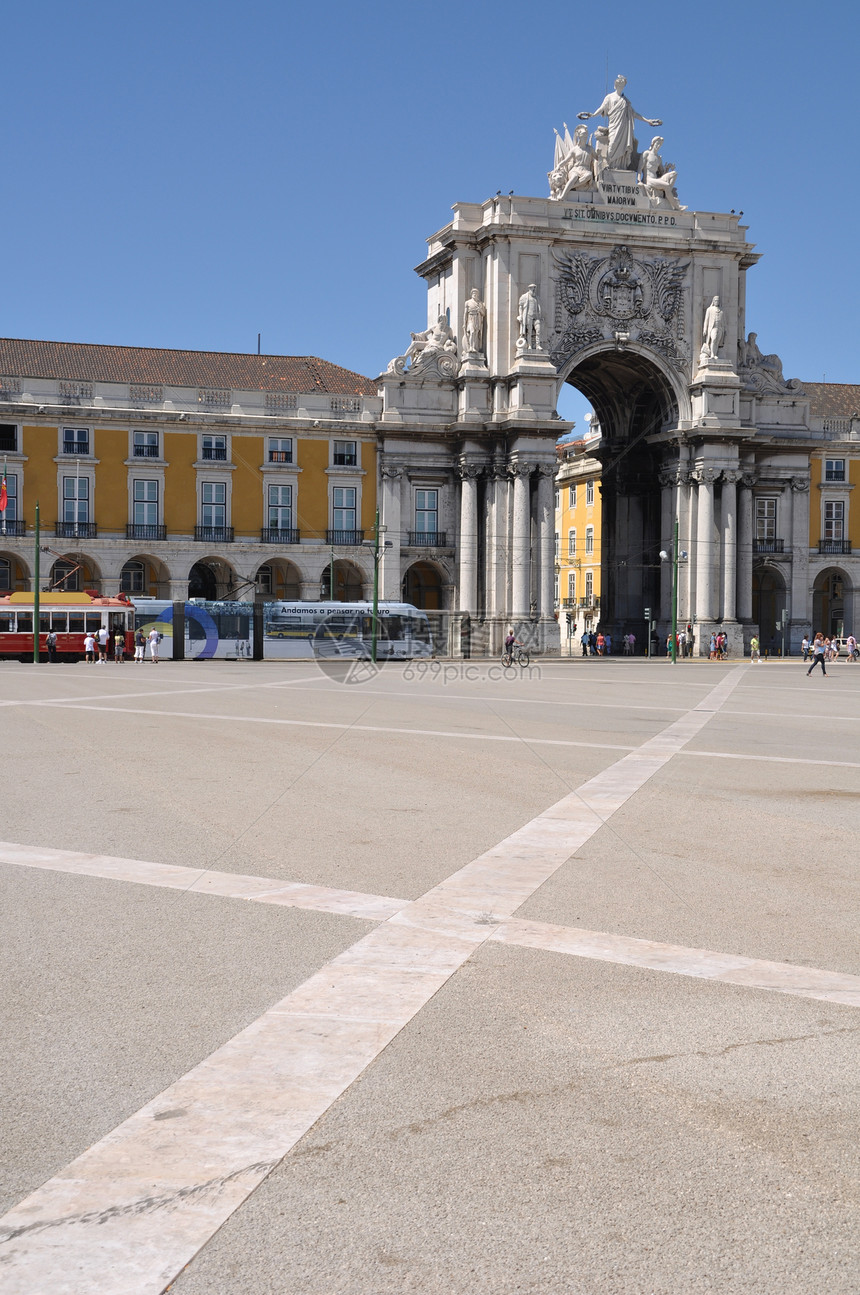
(437, 980)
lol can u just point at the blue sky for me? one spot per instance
(189, 174)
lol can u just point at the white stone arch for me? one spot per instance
(426, 584)
(156, 575)
(833, 601)
(220, 583)
(643, 357)
(284, 581)
(88, 577)
(18, 571)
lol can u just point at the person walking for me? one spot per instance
(818, 654)
(154, 636)
(851, 646)
(607, 644)
(804, 647)
(755, 654)
(103, 638)
(119, 646)
(90, 649)
(631, 640)
(601, 644)
(51, 645)
(584, 642)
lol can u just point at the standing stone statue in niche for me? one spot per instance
(529, 319)
(658, 176)
(622, 116)
(474, 321)
(713, 332)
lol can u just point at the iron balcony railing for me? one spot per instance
(428, 539)
(570, 603)
(76, 530)
(344, 537)
(146, 452)
(280, 456)
(768, 546)
(280, 535)
(8, 442)
(214, 534)
(80, 448)
(834, 546)
(16, 527)
(218, 452)
(145, 531)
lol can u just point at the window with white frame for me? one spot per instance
(264, 579)
(280, 512)
(11, 513)
(145, 502)
(834, 519)
(76, 440)
(834, 469)
(343, 508)
(557, 500)
(427, 511)
(76, 499)
(5, 577)
(215, 447)
(344, 454)
(589, 493)
(571, 586)
(571, 544)
(589, 586)
(765, 518)
(145, 445)
(8, 435)
(571, 496)
(66, 577)
(589, 539)
(213, 503)
(280, 449)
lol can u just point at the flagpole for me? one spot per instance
(36, 594)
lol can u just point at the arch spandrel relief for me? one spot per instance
(621, 298)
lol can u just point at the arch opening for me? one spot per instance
(830, 595)
(213, 580)
(348, 583)
(634, 401)
(768, 607)
(423, 587)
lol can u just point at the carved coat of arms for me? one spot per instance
(618, 295)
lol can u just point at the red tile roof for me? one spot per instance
(833, 399)
(84, 362)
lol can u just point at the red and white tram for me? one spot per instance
(70, 615)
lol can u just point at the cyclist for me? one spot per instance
(511, 641)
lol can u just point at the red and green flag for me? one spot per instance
(4, 498)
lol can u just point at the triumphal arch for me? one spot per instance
(607, 282)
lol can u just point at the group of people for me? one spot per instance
(683, 642)
(820, 649)
(718, 646)
(97, 646)
(600, 644)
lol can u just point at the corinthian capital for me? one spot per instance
(469, 471)
(705, 476)
(748, 480)
(732, 477)
(521, 469)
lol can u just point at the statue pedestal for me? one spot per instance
(716, 395)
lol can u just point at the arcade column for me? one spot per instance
(730, 545)
(546, 527)
(706, 478)
(390, 560)
(468, 473)
(745, 547)
(521, 542)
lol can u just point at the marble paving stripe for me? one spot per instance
(108, 709)
(773, 759)
(227, 885)
(133, 1210)
(158, 692)
(731, 969)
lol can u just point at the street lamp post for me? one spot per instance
(675, 559)
(36, 579)
(377, 550)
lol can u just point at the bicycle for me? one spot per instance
(518, 656)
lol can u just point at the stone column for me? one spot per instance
(684, 506)
(706, 478)
(390, 561)
(668, 478)
(468, 537)
(730, 545)
(521, 543)
(546, 531)
(745, 547)
(800, 607)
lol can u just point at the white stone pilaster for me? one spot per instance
(546, 531)
(705, 478)
(745, 547)
(730, 545)
(668, 478)
(799, 608)
(468, 565)
(391, 519)
(521, 543)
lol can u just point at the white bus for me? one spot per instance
(335, 629)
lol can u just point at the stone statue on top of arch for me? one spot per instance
(623, 149)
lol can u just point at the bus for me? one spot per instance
(70, 615)
(336, 629)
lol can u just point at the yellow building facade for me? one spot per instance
(578, 544)
(186, 474)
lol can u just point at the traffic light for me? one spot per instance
(648, 615)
